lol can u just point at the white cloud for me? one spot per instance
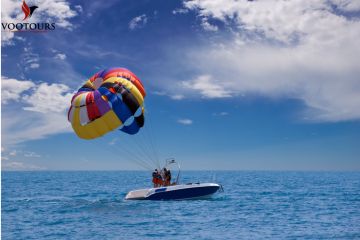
(138, 22)
(57, 11)
(159, 93)
(207, 87)
(29, 59)
(60, 56)
(220, 114)
(11, 89)
(177, 97)
(180, 11)
(172, 96)
(292, 49)
(78, 8)
(34, 65)
(43, 97)
(13, 153)
(347, 5)
(37, 110)
(20, 166)
(48, 98)
(185, 121)
(6, 38)
(207, 26)
(13, 165)
(37, 125)
(31, 155)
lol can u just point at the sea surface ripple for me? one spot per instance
(254, 205)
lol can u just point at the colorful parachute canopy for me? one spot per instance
(111, 99)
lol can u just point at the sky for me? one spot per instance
(231, 85)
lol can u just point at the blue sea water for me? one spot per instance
(254, 205)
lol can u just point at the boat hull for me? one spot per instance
(178, 192)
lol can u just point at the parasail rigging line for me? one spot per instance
(150, 133)
(132, 156)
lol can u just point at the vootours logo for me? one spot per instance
(28, 26)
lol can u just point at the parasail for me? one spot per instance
(111, 99)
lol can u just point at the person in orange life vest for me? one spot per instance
(159, 178)
(155, 178)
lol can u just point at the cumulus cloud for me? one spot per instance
(34, 111)
(60, 56)
(207, 86)
(20, 125)
(208, 26)
(11, 89)
(48, 98)
(292, 49)
(138, 22)
(185, 121)
(347, 5)
(57, 11)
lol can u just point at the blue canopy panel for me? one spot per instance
(124, 106)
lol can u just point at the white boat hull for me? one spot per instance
(176, 192)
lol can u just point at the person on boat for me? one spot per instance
(165, 176)
(168, 179)
(159, 180)
(154, 178)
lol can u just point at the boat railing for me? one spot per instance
(171, 161)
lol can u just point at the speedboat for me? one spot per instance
(175, 191)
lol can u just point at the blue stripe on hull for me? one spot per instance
(183, 193)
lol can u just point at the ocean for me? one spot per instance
(254, 205)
